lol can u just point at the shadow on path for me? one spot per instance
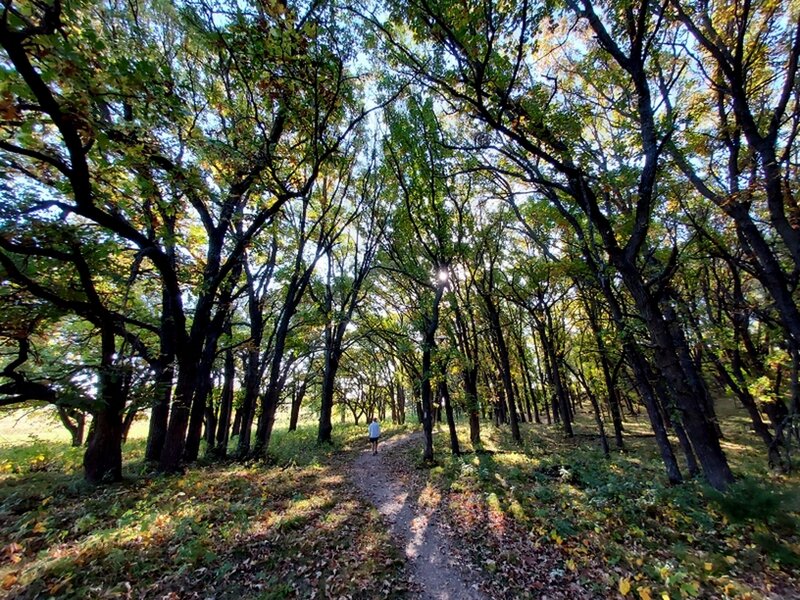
(414, 527)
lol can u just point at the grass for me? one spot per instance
(550, 516)
(21, 426)
(614, 525)
(288, 528)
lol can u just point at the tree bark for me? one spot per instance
(102, 461)
(225, 405)
(165, 373)
(331, 367)
(602, 351)
(428, 344)
(687, 389)
(75, 422)
(297, 399)
(444, 393)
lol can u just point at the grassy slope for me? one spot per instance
(552, 517)
(227, 531)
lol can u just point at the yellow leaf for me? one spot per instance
(708, 566)
(644, 593)
(624, 586)
(39, 527)
(9, 580)
(664, 596)
(571, 565)
(730, 560)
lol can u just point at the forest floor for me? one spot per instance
(553, 519)
(293, 528)
(385, 480)
(548, 519)
(419, 517)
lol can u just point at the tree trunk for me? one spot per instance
(102, 461)
(505, 363)
(560, 402)
(428, 344)
(427, 403)
(470, 377)
(202, 394)
(542, 374)
(444, 393)
(328, 381)
(128, 418)
(526, 380)
(165, 373)
(691, 369)
(598, 418)
(602, 351)
(225, 405)
(159, 414)
(297, 399)
(467, 339)
(237, 423)
(648, 394)
(270, 399)
(179, 414)
(252, 380)
(401, 403)
(74, 421)
(688, 390)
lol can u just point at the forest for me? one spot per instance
(559, 237)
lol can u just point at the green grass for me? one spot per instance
(300, 447)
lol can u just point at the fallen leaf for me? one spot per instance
(9, 580)
(624, 586)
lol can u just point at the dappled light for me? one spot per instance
(241, 520)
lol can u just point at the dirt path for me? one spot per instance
(414, 528)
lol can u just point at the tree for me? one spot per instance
(487, 76)
(424, 227)
(214, 124)
(348, 265)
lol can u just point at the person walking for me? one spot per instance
(374, 434)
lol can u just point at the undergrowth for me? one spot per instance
(614, 523)
(289, 527)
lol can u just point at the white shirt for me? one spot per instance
(374, 429)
